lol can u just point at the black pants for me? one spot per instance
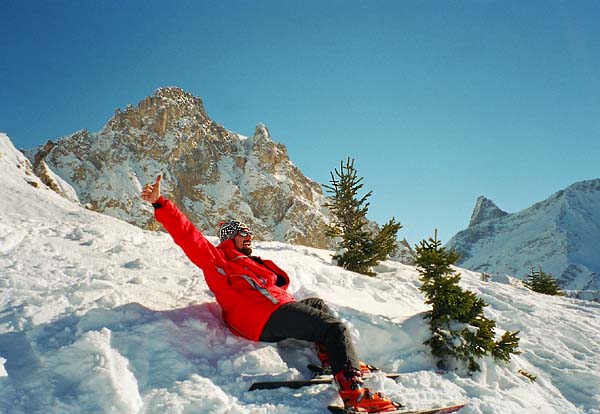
(312, 320)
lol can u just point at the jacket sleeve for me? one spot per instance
(199, 250)
(283, 280)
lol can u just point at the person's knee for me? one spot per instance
(336, 330)
(319, 304)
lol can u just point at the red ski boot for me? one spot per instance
(358, 398)
(326, 365)
(322, 355)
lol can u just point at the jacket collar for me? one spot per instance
(229, 250)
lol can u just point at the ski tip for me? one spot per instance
(335, 409)
(453, 408)
(442, 410)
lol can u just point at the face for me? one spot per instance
(243, 241)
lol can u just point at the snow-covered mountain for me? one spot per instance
(100, 316)
(561, 234)
(211, 173)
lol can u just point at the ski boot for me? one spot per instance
(358, 398)
(326, 365)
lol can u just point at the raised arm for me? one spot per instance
(199, 250)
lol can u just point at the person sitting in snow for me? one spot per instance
(256, 304)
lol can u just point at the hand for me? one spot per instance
(151, 192)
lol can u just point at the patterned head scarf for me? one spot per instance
(228, 229)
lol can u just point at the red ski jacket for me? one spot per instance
(248, 289)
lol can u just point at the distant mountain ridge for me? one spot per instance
(561, 234)
(209, 172)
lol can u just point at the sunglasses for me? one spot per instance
(245, 233)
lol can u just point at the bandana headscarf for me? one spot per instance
(228, 229)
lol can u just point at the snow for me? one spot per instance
(560, 234)
(100, 316)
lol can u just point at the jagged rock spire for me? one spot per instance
(485, 210)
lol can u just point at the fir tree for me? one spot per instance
(360, 249)
(459, 328)
(542, 282)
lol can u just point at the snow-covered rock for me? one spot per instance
(213, 174)
(561, 234)
(485, 210)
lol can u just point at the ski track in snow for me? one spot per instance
(97, 316)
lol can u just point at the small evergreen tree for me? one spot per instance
(360, 249)
(539, 281)
(459, 328)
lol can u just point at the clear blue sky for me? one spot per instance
(438, 101)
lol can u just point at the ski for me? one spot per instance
(318, 370)
(335, 409)
(321, 375)
(294, 384)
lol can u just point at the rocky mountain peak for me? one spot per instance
(583, 188)
(166, 110)
(209, 172)
(267, 153)
(261, 132)
(560, 234)
(485, 210)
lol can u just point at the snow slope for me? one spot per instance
(98, 316)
